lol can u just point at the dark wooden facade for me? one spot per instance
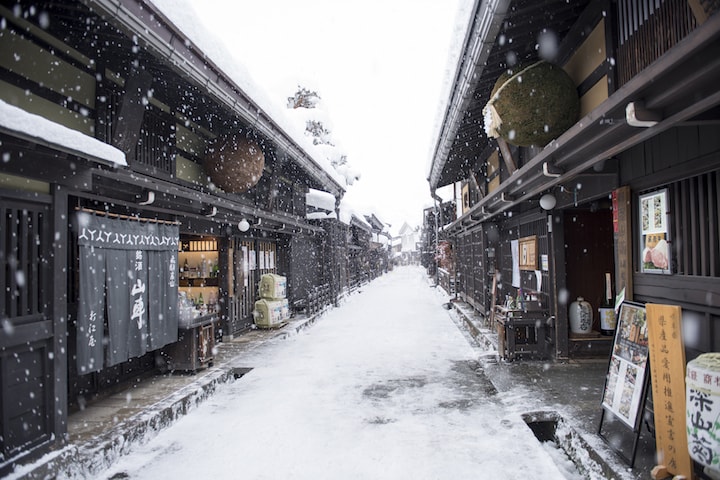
(662, 59)
(122, 75)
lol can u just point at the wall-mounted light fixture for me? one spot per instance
(244, 225)
(548, 201)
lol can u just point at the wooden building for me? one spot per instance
(629, 187)
(117, 199)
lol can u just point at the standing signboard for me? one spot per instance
(667, 363)
(627, 374)
(626, 382)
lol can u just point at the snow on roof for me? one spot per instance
(44, 131)
(321, 216)
(320, 199)
(348, 212)
(182, 14)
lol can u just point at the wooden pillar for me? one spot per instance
(559, 294)
(59, 313)
(622, 232)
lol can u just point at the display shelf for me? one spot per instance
(199, 282)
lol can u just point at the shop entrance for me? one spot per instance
(589, 255)
(250, 259)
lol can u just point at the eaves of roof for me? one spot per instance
(479, 41)
(158, 35)
(681, 85)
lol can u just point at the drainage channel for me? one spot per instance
(573, 456)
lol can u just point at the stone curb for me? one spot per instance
(589, 460)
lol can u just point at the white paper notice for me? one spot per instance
(515, 245)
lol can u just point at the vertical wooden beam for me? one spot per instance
(559, 300)
(622, 202)
(58, 312)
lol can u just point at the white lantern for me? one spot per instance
(244, 225)
(548, 201)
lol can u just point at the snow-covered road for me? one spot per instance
(383, 387)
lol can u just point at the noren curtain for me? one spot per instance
(128, 289)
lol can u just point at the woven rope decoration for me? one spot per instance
(234, 163)
(532, 105)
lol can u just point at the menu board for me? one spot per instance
(627, 373)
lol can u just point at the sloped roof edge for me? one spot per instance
(486, 24)
(152, 28)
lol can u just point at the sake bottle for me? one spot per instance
(607, 309)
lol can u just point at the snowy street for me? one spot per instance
(385, 386)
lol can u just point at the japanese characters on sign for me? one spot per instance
(703, 410)
(667, 365)
(127, 301)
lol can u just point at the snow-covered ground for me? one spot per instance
(383, 387)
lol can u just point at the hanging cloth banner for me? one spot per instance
(128, 279)
(91, 311)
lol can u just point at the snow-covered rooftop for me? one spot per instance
(319, 199)
(182, 15)
(43, 131)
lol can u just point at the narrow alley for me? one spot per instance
(386, 386)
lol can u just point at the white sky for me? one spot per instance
(382, 68)
(382, 387)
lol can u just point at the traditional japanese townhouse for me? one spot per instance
(379, 255)
(143, 192)
(556, 200)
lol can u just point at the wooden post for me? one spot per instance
(622, 230)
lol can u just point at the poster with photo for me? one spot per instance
(626, 379)
(654, 233)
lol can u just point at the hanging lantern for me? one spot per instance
(234, 163)
(532, 105)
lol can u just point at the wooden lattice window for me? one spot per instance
(646, 30)
(695, 219)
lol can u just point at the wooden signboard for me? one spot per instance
(528, 253)
(667, 366)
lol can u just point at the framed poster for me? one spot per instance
(654, 233)
(626, 380)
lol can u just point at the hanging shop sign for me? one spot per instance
(654, 233)
(626, 381)
(128, 289)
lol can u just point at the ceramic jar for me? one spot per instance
(702, 387)
(581, 316)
